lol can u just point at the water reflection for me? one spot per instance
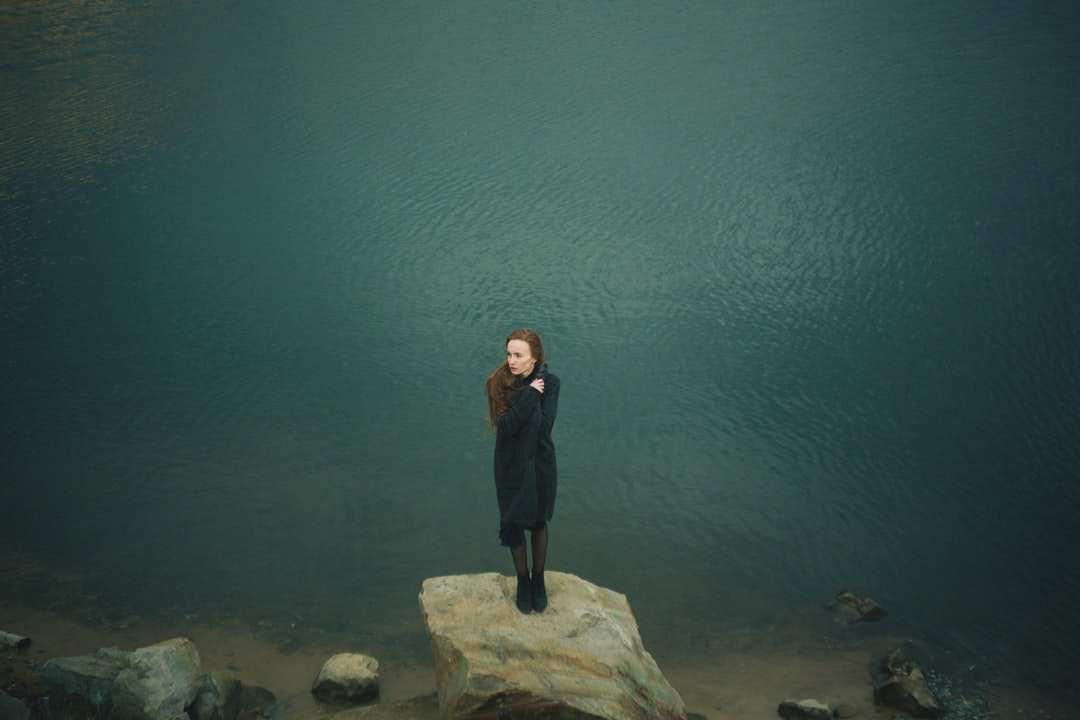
(79, 115)
(74, 89)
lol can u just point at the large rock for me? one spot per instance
(159, 682)
(581, 658)
(88, 678)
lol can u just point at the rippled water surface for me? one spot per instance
(808, 272)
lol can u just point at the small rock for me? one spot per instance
(871, 611)
(12, 709)
(804, 710)
(845, 711)
(16, 641)
(905, 688)
(347, 678)
(218, 697)
(256, 702)
(849, 607)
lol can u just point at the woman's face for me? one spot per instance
(519, 358)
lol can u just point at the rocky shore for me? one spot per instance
(485, 655)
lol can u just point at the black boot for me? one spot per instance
(539, 592)
(524, 594)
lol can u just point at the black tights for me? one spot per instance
(539, 551)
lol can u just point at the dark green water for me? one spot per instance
(808, 272)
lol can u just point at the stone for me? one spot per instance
(871, 611)
(12, 709)
(905, 688)
(347, 678)
(581, 658)
(845, 711)
(88, 678)
(850, 608)
(218, 697)
(256, 702)
(16, 641)
(159, 683)
(809, 709)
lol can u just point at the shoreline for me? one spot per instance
(737, 674)
(741, 670)
(283, 661)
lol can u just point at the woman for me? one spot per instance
(523, 398)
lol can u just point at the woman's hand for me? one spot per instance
(538, 385)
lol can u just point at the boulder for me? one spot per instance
(347, 678)
(12, 709)
(87, 678)
(804, 710)
(905, 688)
(581, 658)
(159, 682)
(849, 607)
(218, 697)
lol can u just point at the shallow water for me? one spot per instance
(807, 273)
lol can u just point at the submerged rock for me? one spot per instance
(347, 678)
(582, 658)
(905, 688)
(849, 607)
(809, 709)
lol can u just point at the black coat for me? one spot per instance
(526, 477)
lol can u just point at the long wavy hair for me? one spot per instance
(500, 388)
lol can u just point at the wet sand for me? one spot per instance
(284, 663)
(746, 684)
(739, 672)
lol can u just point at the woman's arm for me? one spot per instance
(520, 410)
(549, 402)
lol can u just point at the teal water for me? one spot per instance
(808, 272)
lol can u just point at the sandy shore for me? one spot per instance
(742, 680)
(746, 684)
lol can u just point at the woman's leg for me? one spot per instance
(524, 586)
(521, 559)
(539, 548)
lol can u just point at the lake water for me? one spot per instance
(808, 272)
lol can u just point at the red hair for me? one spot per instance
(499, 387)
